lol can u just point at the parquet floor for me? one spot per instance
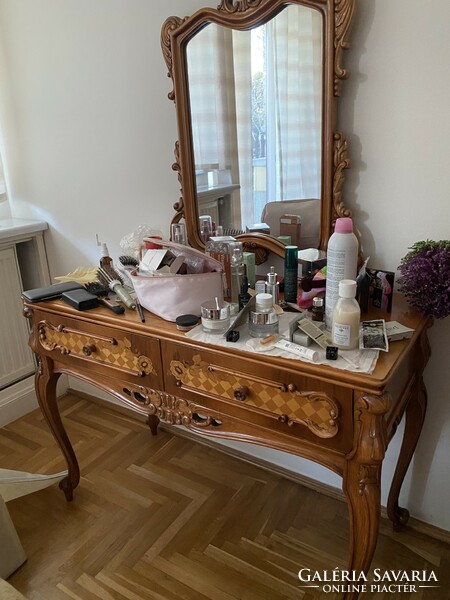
(164, 518)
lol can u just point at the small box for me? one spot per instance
(311, 260)
(80, 299)
(291, 225)
(258, 228)
(285, 239)
(381, 288)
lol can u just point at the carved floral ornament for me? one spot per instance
(168, 408)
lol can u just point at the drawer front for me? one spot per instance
(299, 406)
(104, 350)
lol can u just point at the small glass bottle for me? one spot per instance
(346, 317)
(105, 259)
(179, 233)
(263, 321)
(318, 309)
(205, 227)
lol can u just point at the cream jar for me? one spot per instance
(215, 316)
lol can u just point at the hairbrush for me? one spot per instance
(111, 279)
(102, 291)
(128, 261)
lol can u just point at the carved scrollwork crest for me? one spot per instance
(341, 162)
(344, 10)
(170, 25)
(178, 206)
(261, 254)
(237, 6)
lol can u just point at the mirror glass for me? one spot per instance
(256, 103)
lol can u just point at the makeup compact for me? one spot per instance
(215, 316)
(186, 322)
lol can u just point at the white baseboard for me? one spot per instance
(20, 398)
(17, 400)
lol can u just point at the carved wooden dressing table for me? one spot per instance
(339, 419)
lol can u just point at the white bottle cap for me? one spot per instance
(104, 249)
(264, 301)
(347, 288)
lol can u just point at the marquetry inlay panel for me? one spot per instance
(102, 350)
(315, 410)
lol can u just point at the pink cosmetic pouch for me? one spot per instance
(169, 296)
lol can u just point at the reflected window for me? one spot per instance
(256, 107)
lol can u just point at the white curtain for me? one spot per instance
(294, 97)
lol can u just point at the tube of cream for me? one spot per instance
(300, 351)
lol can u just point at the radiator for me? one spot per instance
(16, 358)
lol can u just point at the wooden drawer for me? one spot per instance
(110, 352)
(276, 398)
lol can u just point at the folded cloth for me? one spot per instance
(358, 361)
(7, 592)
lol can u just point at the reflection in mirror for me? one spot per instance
(256, 117)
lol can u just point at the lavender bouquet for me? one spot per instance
(425, 277)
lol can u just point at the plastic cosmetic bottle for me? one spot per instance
(290, 274)
(342, 263)
(346, 317)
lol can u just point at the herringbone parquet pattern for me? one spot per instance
(164, 518)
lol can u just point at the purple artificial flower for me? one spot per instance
(425, 278)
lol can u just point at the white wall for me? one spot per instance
(89, 137)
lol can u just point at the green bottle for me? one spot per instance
(291, 274)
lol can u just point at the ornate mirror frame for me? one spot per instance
(243, 15)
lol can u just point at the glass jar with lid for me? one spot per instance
(263, 321)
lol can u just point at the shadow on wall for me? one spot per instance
(435, 440)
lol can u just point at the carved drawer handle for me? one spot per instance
(99, 338)
(89, 349)
(240, 393)
(290, 387)
(279, 386)
(285, 419)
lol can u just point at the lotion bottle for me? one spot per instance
(342, 263)
(346, 317)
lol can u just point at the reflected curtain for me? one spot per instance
(294, 98)
(213, 107)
